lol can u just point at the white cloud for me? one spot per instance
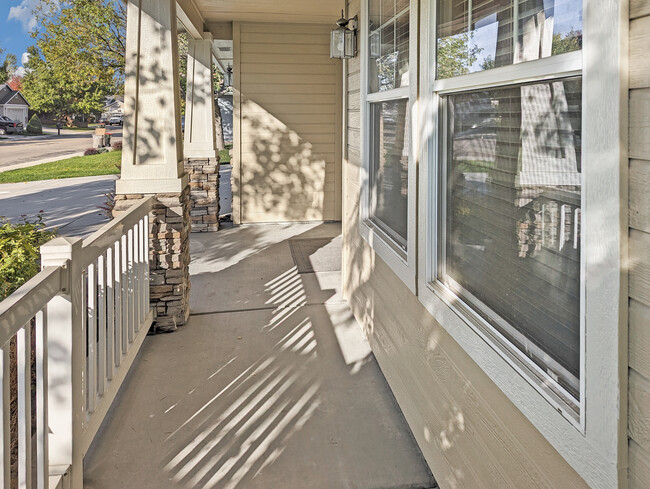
(21, 70)
(24, 14)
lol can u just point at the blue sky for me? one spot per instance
(15, 22)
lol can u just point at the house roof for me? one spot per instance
(7, 95)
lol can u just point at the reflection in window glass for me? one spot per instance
(388, 45)
(513, 216)
(389, 168)
(483, 34)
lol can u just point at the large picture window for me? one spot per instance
(522, 210)
(509, 184)
(512, 220)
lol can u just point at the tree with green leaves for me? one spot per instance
(456, 55)
(7, 67)
(78, 58)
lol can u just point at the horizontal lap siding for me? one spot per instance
(471, 435)
(639, 247)
(289, 141)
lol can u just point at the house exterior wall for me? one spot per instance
(470, 433)
(639, 247)
(16, 112)
(287, 124)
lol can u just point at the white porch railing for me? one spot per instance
(77, 327)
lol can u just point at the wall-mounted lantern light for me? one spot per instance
(227, 77)
(343, 39)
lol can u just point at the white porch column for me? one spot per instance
(200, 135)
(152, 157)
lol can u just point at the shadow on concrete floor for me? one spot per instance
(271, 384)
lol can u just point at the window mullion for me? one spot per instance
(559, 66)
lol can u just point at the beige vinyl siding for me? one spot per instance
(287, 145)
(639, 247)
(470, 433)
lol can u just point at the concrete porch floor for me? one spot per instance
(270, 385)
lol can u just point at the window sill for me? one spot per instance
(390, 252)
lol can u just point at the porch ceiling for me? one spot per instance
(301, 11)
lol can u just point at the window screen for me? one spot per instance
(389, 168)
(512, 216)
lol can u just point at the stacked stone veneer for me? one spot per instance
(169, 254)
(204, 193)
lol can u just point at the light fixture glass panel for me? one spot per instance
(337, 43)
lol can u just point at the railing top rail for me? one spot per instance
(105, 237)
(21, 306)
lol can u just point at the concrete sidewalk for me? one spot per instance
(271, 384)
(68, 204)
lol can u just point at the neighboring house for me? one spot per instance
(114, 107)
(489, 164)
(13, 104)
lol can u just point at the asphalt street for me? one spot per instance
(26, 150)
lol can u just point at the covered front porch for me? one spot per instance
(271, 384)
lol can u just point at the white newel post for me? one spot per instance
(152, 157)
(201, 154)
(65, 340)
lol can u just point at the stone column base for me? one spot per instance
(204, 193)
(169, 254)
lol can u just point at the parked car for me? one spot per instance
(8, 126)
(115, 120)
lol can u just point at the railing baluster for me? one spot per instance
(23, 349)
(5, 437)
(92, 338)
(126, 296)
(101, 325)
(130, 269)
(141, 261)
(119, 308)
(110, 314)
(42, 459)
(137, 277)
(145, 249)
(84, 342)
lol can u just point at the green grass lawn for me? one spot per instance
(224, 155)
(79, 166)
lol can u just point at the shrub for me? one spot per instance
(117, 145)
(19, 252)
(34, 125)
(108, 205)
(91, 151)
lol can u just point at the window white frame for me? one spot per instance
(593, 440)
(403, 263)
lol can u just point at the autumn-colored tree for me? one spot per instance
(16, 83)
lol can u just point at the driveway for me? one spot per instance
(69, 204)
(26, 150)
